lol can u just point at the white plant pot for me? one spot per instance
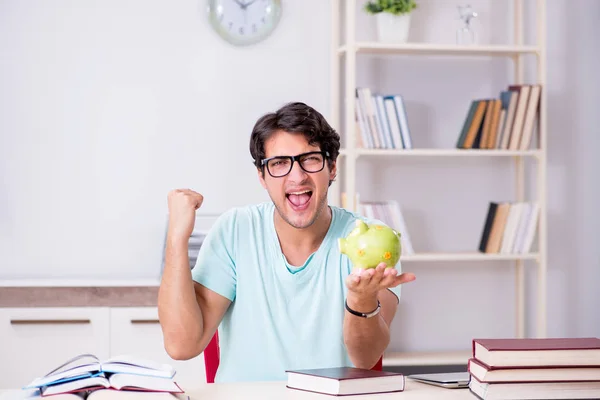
(392, 28)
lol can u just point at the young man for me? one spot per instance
(271, 276)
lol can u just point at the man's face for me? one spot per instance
(299, 196)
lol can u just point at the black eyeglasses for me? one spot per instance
(310, 162)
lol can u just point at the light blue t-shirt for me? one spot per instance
(281, 316)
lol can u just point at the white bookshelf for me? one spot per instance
(441, 153)
(467, 256)
(345, 50)
(436, 49)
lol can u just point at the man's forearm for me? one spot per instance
(366, 338)
(179, 313)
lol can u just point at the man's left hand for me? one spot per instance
(366, 283)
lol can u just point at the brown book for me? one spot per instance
(343, 381)
(475, 124)
(543, 374)
(537, 352)
(493, 132)
(487, 122)
(517, 127)
(531, 114)
(497, 231)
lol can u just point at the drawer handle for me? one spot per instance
(48, 321)
(145, 321)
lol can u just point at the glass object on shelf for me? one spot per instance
(465, 35)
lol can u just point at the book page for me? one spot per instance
(77, 385)
(140, 382)
(137, 365)
(122, 395)
(79, 366)
(78, 361)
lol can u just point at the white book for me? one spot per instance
(383, 121)
(394, 123)
(364, 129)
(512, 223)
(530, 230)
(405, 241)
(403, 118)
(520, 234)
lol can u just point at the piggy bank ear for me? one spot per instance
(397, 233)
(360, 227)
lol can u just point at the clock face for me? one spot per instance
(244, 22)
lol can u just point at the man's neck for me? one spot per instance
(302, 241)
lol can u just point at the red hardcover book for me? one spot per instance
(534, 352)
(344, 381)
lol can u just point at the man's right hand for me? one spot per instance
(183, 204)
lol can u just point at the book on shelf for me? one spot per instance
(507, 122)
(381, 121)
(85, 373)
(535, 368)
(390, 213)
(509, 227)
(343, 381)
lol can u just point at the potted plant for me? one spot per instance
(393, 18)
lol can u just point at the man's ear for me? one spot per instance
(333, 171)
(261, 177)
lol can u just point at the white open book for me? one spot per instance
(88, 366)
(129, 382)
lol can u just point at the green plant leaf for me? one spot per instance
(395, 7)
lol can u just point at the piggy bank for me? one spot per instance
(368, 245)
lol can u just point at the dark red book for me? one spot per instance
(344, 381)
(537, 352)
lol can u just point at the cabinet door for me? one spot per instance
(34, 341)
(137, 331)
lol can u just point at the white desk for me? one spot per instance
(278, 391)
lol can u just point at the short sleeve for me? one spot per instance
(215, 266)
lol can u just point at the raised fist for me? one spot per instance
(183, 204)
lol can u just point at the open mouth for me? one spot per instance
(299, 200)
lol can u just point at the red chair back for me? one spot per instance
(211, 359)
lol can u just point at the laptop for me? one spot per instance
(450, 380)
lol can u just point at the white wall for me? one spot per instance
(106, 105)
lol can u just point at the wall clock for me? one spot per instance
(244, 22)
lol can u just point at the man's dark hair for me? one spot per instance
(296, 118)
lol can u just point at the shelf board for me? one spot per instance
(439, 49)
(396, 359)
(443, 152)
(467, 256)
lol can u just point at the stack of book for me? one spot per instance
(381, 121)
(86, 374)
(509, 227)
(507, 122)
(551, 368)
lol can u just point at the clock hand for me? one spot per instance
(239, 3)
(246, 5)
